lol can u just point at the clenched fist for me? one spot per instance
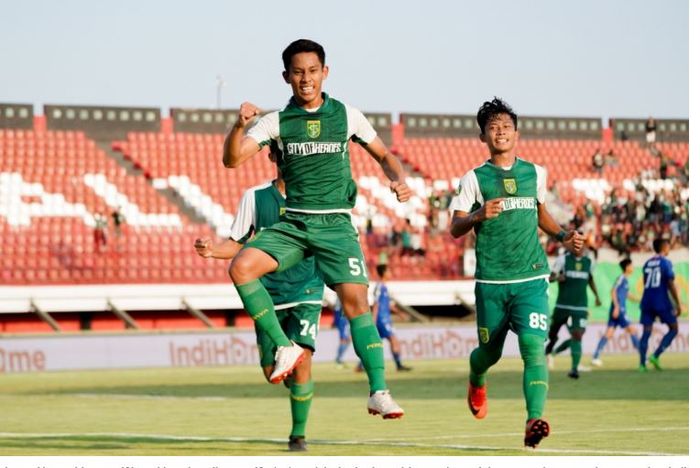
(203, 247)
(246, 114)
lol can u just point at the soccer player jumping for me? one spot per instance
(503, 200)
(313, 133)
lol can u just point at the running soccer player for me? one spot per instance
(618, 312)
(658, 282)
(296, 294)
(340, 322)
(574, 272)
(503, 200)
(383, 306)
(313, 132)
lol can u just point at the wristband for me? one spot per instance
(560, 235)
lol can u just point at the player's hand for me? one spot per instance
(403, 192)
(246, 114)
(678, 310)
(615, 313)
(203, 247)
(597, 302)
(574, 241)
(492, 208)
(561, 277)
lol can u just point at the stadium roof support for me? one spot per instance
(44, 316)
(197, 314)
(126, 318)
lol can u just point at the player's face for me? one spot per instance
(500, 134)
(306, 75)
(629, 270)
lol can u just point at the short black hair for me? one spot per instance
(381, 270)
(299, 46)
(489, 109)
(658, 244)
(624, 263)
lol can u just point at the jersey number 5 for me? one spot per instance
(357, 267)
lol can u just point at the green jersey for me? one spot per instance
(508, 248)
(314, 160)
(259, 208)
(577, 272)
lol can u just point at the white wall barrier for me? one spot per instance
(226, 348)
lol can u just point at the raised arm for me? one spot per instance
(392, 168)
(237, 147)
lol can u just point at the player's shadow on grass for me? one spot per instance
(671, 384)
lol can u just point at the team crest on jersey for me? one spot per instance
(578, 266)
(510, 186)
(484, 335)
(313, 128)
(283, 210)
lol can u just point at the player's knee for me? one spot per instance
(577, 335)
(532, 349)
(241, 270)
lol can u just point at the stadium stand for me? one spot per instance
(62, 177)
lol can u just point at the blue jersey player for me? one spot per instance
(618, 312)
(381, 310)
(343, 325)
(658, 283)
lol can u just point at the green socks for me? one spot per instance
(300, 396)
(369, 348)
(258, 303)
(485, 356)
(535, 376)
(576, 351)
(566, 344)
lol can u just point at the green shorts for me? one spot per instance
(330, 238)
(574, 319)
(522, 307)
(300, 324)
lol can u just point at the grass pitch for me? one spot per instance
(232, 411)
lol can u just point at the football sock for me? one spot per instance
(342, 347)
(576, 350)
(397, 359)
(566, 344)
(665, 342)
(643, 346)
(483, 357)
(535, 375)
(369, 348)
(300, 396)
(601, 344)
(635, 341)
(258, 303)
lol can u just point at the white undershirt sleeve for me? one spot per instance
(245, 217)
(359, 126)
(468, 193)
(541, 183)
(266, 129)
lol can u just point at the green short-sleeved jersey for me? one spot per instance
(315, 161)
(260, 208)
(573, 294)
(508, 248)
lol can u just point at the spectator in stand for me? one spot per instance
(598, 161)
(406, 248)
(100, 232)
(611, 159)
(417, 241)
(650, 132)
(118, 220)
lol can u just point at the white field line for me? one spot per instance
(119, 435)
